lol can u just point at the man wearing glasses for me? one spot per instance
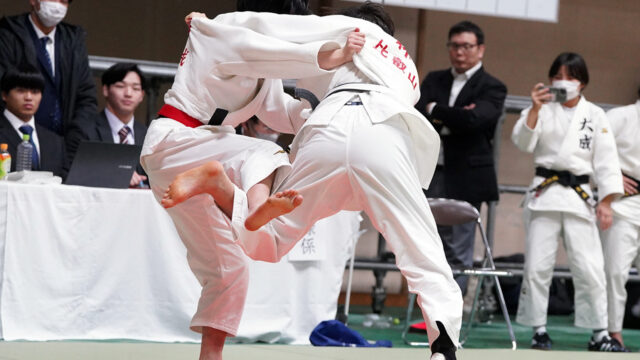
(464, 104)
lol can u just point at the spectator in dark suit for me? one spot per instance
(21, 91)
(123, 89)
(58, 50)
(464, 104)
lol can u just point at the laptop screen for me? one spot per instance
(101, 164)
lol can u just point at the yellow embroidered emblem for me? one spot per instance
(604, 130)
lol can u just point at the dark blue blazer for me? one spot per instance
(52, 152)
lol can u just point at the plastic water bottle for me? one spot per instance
(5, 161)
(25, 149)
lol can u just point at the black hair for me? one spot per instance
(23, 76)
(292, 7)
(373, 13)
(118, 71)
(639, 92)
(576, 66)
(467, 26)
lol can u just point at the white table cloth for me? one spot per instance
(93, 263)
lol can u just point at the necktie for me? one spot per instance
(57, 113)
(44, 41)
(124, 131)
(35, 162)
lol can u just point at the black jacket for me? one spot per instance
(52, 153)
(468, 151)
(76, 89)
(100, 130)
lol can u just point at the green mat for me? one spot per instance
(490, 335)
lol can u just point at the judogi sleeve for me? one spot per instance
(625, 124)
(383, 59)
(242, 51)
(524, 137)
(606, 166)
(281, 112)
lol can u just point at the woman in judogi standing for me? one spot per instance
(572, 145)
(621, 242)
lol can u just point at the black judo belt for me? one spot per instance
(300, 93)
(626, 194)
(564, 178)
(218, 117)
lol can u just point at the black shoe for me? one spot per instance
(607, 344)
(541, 341)
(443, 345)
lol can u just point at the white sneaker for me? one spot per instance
(437, 356)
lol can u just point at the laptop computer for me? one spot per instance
(101, 164)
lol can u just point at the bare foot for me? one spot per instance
(278, 204)
(207, 178)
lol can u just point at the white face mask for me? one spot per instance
(51, 13)
(572, 87)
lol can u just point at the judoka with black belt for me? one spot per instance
(572, 144)
(622, 240)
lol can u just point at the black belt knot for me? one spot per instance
(564, 178)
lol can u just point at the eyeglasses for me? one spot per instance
(464, 46)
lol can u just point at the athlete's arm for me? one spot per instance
(334, 58)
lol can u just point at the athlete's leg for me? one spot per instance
(212, 344)
(264, 207)
(210, 178)
(541, 245)
(215, 258)
(586, 261)
(621, 245)
(383, 170)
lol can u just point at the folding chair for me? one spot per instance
(450, 212)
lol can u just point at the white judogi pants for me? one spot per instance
(621, 243)
(353, 164)
(584, 250)
(217, 261)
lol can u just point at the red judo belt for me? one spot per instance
(180, 116)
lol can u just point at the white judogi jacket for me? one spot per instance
(201, 84)
(383, 62)
(583, 145)
(625, 123)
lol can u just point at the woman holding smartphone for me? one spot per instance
(572, 146)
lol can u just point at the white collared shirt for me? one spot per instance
(459, 80)
(16, 123)
(115, 124)
(51, 43)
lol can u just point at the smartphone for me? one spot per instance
(557, 94)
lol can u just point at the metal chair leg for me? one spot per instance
(503, 305)
(407, 324)
(464, 334)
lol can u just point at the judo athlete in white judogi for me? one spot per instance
(571, 144)
(621, 241)
(181, 140)
(364, 147)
